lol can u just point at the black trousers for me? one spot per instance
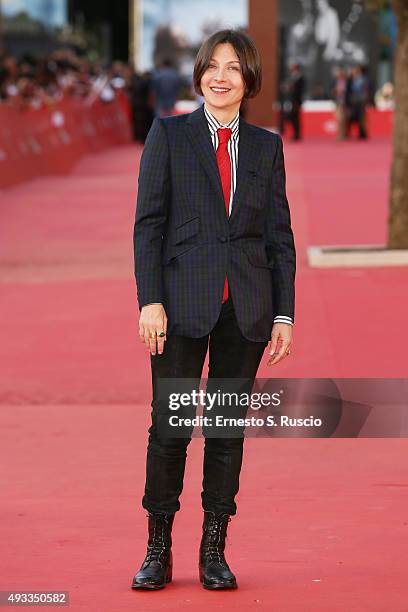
(231, 356)
(357, 114)
(293, 118)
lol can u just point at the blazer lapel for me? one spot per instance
(199, 135)
(249, 150)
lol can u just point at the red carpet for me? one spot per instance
(321, 524)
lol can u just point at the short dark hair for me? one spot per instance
(246, 51)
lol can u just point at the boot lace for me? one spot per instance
(157, 546)
(212, 546)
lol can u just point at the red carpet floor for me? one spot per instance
(321, 524)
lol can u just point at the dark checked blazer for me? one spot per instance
(185, 244)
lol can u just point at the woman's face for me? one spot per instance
(222, 83)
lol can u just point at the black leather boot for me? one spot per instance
(214, 570)
(156, 569)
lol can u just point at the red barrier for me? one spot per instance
(50, 140)
(323, 124)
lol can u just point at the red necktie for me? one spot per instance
(224, 167)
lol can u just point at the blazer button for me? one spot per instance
(222, 239)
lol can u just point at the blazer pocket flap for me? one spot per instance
(176, 252)
(186, 230)
(257, 256)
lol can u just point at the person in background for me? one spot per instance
(165, 84)
(357, 100)
(339, 97)
(142, 107)
(384, 97)
(293, 90)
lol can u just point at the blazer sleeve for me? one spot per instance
(280, 244)
(151, 215)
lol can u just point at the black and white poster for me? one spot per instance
(320, 34)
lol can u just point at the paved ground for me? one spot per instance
(321, 525)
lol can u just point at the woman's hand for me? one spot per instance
(280, 343)
(152, 322)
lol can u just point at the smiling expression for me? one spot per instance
(222, 83)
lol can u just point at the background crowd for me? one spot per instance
(352, 94)
(32, 82)
(351, 91)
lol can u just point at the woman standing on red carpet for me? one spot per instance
(215, 269)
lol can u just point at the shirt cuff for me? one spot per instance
(283, 319)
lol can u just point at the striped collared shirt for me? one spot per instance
(213, 126)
